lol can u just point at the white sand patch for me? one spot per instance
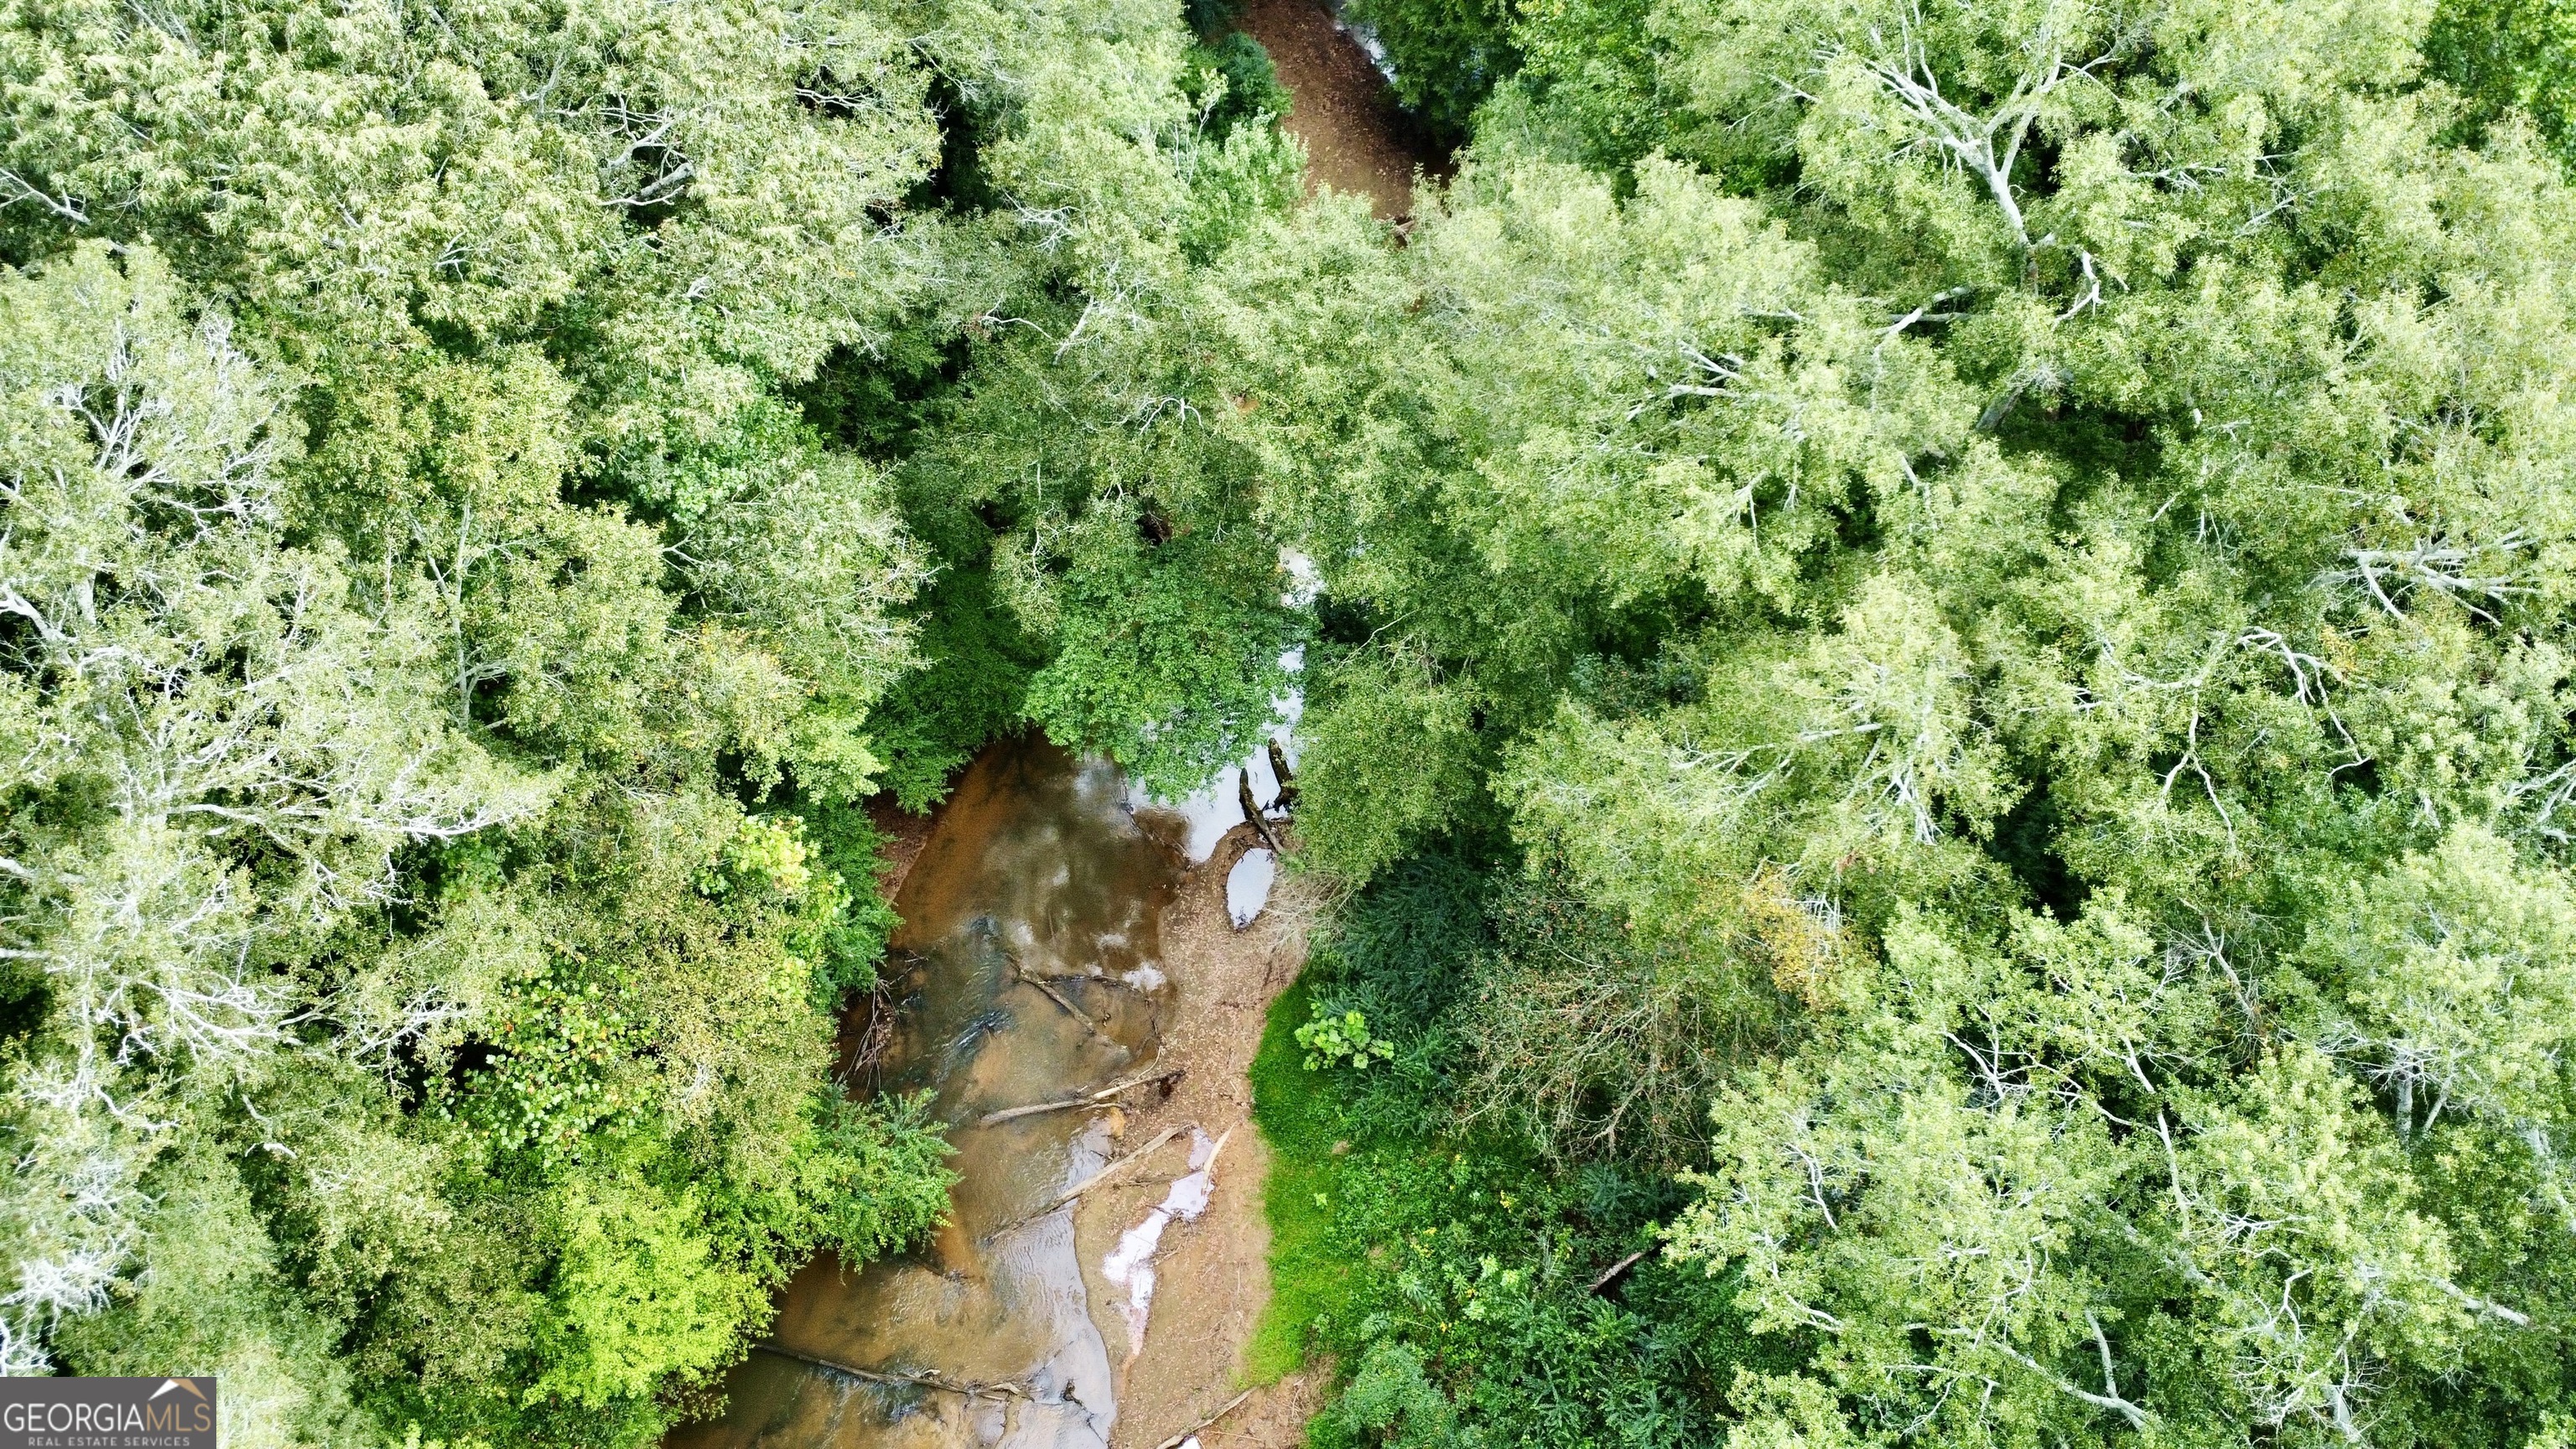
(1130, 1265)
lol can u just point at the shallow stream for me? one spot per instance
(1037, 867)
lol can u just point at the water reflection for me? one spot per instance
(1035, 869)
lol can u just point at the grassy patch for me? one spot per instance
(1294, 1109)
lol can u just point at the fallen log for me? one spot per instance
(1112, 982)
(1094, 1180)
(1615, 1269)
(1231, 1405)
(1096, 1098)
(924, 1378)
(1287, 797)
(1252, 811)
(1058, 997)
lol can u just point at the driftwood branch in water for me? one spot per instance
(875, 1038)
(1086, 1099)
(1231, 1405)
(1252, 811)
(1058, 997)
(1615, 1269)
(1111, 982)
(925, 1378)
(1094, 1180)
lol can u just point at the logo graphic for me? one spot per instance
(107, 1413)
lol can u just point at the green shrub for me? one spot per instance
(1251, 82)
(1335, 1038)
(1447, 55)
(2508, 55)
(1450, 1273)
(848, 844)
(971, 691)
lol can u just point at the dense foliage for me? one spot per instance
(1987, 588)
(1940, 701)
(1451, 1269)
(489, 493)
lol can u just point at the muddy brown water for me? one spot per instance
(1035, 865)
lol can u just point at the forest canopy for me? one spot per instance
(487, 499)
(1937, 703)
(1962, 609)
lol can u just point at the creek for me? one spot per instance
(1037, 868)
(1041, 865)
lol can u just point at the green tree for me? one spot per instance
(216, 758)
(2504, 57)
(2007, 591)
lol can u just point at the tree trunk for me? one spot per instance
(1287, 782)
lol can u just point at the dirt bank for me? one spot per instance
(1357, 140)
(905, 835)
(1212, 1276)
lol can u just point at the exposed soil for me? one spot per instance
(905, 835)
(1358, 141)
(1213, 1277)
